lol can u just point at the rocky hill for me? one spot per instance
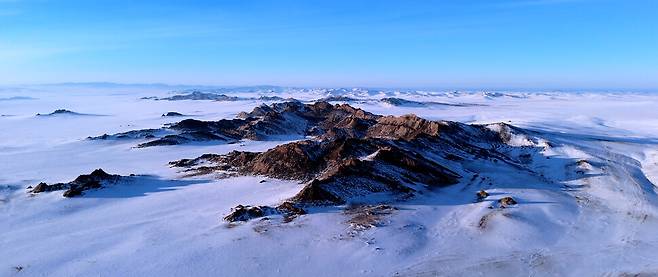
(356, 156)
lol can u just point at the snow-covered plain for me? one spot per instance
(594, 212)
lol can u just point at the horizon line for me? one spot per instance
(441, 88)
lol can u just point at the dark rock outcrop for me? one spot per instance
(481, 195)
(95, 180)
(400, 102)
(59, 112)
(264, 122)
(244, 213)
(198, 95)
(43, 187)
(368, 216)
(506, 202)
(337, 98)
(135, 134)
(167, 114)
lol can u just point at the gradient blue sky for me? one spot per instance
(605, 44)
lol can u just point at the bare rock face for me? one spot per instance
(406, 127)
(94, 180)
(389, 170)
(43, 187)
(295, 161)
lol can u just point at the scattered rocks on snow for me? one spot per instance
(368, 216)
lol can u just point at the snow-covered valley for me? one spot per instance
(581, 168)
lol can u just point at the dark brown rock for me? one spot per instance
(41, 187)
(245, 213)
(315, 193)
(481, 195)
(94, 180)
(506, 202)
(405, 127)
(289, 208)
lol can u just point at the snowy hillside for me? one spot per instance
(476, 183)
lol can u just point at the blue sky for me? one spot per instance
(603, 44)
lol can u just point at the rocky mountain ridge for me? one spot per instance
(356, 156)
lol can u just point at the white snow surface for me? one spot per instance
(593, 213)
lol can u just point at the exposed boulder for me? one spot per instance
(481, 195)
(506, 202)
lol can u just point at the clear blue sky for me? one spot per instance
(381, 43)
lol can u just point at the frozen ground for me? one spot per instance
(594, 212)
